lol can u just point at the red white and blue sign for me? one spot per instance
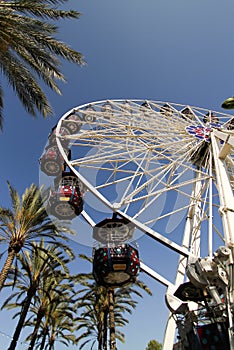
(199, 131)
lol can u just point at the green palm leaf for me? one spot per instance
(29, 52)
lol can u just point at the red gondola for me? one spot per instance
(63, 132)
(66, 200)
(166, 110)
(187, 114)
(73, 122)
(211, 118)
(146, 109)
(89, 114)
(107, 110)
(51, 161)
(116, 266)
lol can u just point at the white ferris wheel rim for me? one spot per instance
(114, 141)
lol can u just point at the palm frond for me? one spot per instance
(30, 53)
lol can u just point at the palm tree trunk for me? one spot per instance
(40, 315)
(112, 319)
(105, 330)
(100, 335)
(44, 335)
(6, 267)
(23, 314)
(51, 342)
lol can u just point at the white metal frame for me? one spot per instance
(160, 148)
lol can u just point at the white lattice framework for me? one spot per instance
(166, 167)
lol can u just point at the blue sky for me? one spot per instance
(178, 51)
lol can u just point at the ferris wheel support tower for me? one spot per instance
(227, 212)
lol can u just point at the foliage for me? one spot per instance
(24, 223)
(154, 345)
(53, 314)
(93, 320)
(29, 50)
(40, 280)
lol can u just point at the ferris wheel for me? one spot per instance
(133, 167)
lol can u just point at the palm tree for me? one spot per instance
(41, 264)
(51, 292)
(54, 319)
(103, 308)
(120, 300)
(62, 328)
(111, 299)
(55, 300)
(93, 318)
(29, 50)
(24, 223)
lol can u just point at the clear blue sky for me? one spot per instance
(178, 51)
